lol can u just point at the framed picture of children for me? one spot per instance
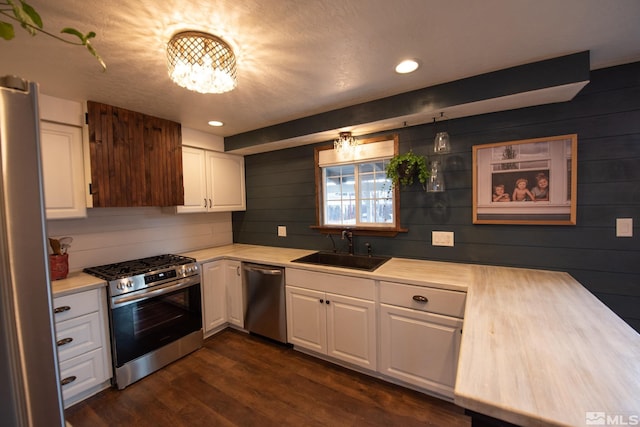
(531, 181)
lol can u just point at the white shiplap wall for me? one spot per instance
(110, 235)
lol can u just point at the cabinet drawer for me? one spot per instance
(83, 372)
(75, 305)
(442, 301)
(78, 335)
(356, 287)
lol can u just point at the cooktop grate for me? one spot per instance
(135, 267)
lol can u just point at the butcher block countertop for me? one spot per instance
(537, 347)
(76, 282)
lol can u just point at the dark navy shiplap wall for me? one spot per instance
(606, 117)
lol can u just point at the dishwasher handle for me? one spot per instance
(263, 270)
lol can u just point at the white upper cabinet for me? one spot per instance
(225, 179)
(213, 181)
(63, 157)
(194, 177)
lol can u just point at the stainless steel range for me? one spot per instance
(155, 313)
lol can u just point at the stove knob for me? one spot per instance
(129, 284)
(189, 269)
(120, 286)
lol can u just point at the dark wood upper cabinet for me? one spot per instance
(136, 160)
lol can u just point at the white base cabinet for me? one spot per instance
(222, 301)
(83, 345)
(419, 346)
(233, 281)
(214, 301)
(332, 315)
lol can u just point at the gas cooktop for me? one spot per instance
(136, 267)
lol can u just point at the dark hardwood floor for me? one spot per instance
(242, 380)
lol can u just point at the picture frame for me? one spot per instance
(530, 181)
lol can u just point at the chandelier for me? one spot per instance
(345, 144)
(201, 62)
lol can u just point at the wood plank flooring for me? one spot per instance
(242, 380)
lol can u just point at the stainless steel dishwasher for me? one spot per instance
(264, 301)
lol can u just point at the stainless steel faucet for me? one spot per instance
(348, 234)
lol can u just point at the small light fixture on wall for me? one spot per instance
(201, 62)
(441, 143)
(345, 143)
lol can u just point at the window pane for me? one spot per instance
(376, 211)
(358, 194)
(339, 191)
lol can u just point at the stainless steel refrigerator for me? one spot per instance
(30, 393)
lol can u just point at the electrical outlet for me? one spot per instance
(282, 231)
(442, 238)
(624, 227)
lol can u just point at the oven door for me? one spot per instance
(147, 320)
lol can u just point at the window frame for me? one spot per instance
(357, 230)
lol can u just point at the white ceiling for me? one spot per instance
(298, 58)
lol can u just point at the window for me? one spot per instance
(355, 192)
(357, 195)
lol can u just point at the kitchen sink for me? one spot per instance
(359, 262)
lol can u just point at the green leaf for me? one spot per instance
(74, 32)
(6, 31)
(33, 15)
(95, 54)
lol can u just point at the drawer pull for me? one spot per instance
(61, 309)
(68, 380)
(64, 341)
(420, 298)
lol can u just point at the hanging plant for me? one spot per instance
(24, 14)
(405, 168)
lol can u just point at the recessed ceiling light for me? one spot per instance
(407, 66)
(215, 123)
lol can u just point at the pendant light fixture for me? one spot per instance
(201, 62)
(435, 183)
(345, 143)
(441, 143)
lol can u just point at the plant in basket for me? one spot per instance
(404, 169)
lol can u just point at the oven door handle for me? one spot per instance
(120, 301)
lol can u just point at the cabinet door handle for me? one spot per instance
(205, 202)
(328, 302)
(61, 309)
(321, 301)
(420, 298)
(68, 380)
(64, 341)
(237, 270)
